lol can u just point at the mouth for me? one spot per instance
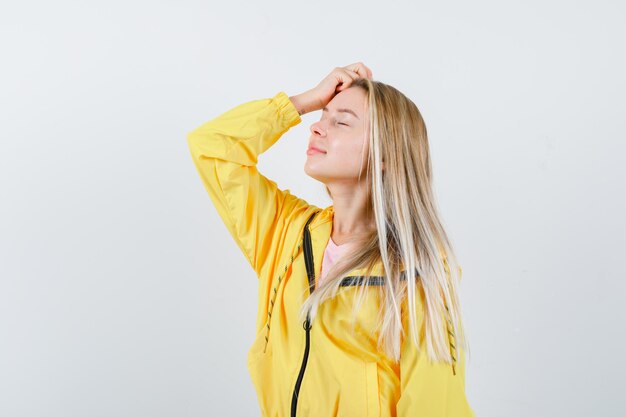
(313, 151)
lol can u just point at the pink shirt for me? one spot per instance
(332, 253)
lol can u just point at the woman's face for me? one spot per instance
(343, 138)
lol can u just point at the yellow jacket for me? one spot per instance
(318, 369)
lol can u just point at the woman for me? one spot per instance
(340, 329)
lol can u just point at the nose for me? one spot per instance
(317, 128)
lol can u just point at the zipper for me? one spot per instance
(294, 399)
(310, 270)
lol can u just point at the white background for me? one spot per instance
(122, 293)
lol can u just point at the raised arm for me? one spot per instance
(225, 151)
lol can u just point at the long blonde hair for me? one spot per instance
(409, 234)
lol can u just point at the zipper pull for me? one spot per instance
(307, 323)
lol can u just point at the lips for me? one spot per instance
(312, 150)
(316, 149)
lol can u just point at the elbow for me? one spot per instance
(193, 142)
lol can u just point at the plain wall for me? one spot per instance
(122, 293)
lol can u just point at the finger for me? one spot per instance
(346, 77)
(364, 72)
(360, 69)
(353, 74)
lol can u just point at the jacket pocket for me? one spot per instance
(260, 370)
(373, 395)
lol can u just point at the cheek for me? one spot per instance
(347, 149)
(349, 155)
(348, 146)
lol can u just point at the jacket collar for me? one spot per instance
(321, 228)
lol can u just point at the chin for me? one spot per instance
(313, 174)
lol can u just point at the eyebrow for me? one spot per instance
(343, 111)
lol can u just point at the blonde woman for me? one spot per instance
(342, 328)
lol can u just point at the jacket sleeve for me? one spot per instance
(430, 389)
(225, 151)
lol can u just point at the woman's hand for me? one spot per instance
(338, 80)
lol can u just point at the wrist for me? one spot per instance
(303, 102)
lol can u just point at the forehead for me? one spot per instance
(350, 101)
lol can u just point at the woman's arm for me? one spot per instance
(225, 150)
